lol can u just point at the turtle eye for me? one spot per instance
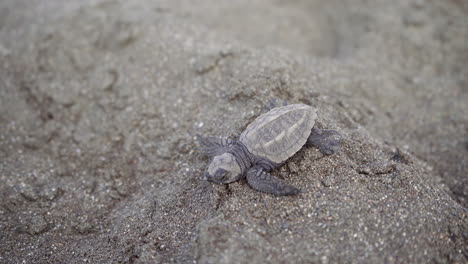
(226, 176)
(220, 174)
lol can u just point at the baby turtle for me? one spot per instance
(266, 144)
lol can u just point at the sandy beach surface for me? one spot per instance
(100, 102)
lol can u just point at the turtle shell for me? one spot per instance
(279, 133)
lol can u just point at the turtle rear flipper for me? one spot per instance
(326, 140)
(264, 182)
(214, 146)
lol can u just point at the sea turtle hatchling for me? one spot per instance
(266, 144)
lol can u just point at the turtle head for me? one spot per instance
(223, 169)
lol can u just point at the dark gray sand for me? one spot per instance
(100, 102)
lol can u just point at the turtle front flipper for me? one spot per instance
(214, 146)
(264, 182)
(326, 140)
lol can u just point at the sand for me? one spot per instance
(100, 102)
